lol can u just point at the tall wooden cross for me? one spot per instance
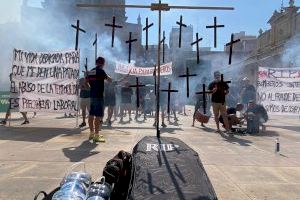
(146, 28)
(129, 42)
(114, 26)
(77, 27)
(169, 90)
(204, 92)
(156, 7)
(215, 26)
(231, 43)
(163, 45)
(95, 43)
(198, 40)
(181, 24)
(137, 86)
(187, 76)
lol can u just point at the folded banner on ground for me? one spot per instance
(165, 69)
(167, 168)
(279, 90)
(44, 81)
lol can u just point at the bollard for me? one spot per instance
(277, 145)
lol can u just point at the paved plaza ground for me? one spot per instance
(35, 157)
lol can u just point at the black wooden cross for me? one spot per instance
(231, 43)
(215, 26)
(130, 41)
(77, 27)
(187, 76)
(163, 47)
(95, 43)
(204, 92)
(86, 65)
(114, 26)
(169, 90)
(137, 86)
(146, 28)
(198, 40)
(180, 29)
(222, 86)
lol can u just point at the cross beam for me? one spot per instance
(187, 76)
(215, 26)
(114, 26)
(181, 24)
(156, 7)
(169, 90)
(231, 43)
(198, 40)
(204, 92)
(137, 86)
(129, 42)
(147, 31)
(77, 27)
(95, 43)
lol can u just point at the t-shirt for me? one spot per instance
(231, 110)
(248, 93)
(126, 92)
(96, 79)
(219, 96)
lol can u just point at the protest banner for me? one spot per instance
(45, 81)
(165, 69)
(279, 90)
(4, 101)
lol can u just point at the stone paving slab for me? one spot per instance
(244, 167)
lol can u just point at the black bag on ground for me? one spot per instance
(168, 169)
(117, 172)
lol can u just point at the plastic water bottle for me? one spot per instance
(74, 185)
(277, 146)
(74, 190)
(99, 191)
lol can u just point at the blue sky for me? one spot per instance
(249, 16)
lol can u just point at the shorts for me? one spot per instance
(85, 103)
(219, 108)
(97, 107)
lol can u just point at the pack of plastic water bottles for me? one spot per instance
(77, 185)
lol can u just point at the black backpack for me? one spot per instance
(117, 172)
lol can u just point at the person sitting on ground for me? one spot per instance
(256, 115)
(233, 119)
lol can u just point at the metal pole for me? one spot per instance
(158, 74)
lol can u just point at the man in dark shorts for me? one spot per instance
(219, 92)
(96, 79)
(84, 99)
(110, 100)
(248, 92)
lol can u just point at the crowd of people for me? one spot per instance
(98, 91)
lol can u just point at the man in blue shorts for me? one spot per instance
(96, 79)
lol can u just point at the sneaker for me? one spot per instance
(92, 135)
(3, 122)
(83, 124)
(109, 123)
(25, 122)
(99, 138)
(164, 125)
